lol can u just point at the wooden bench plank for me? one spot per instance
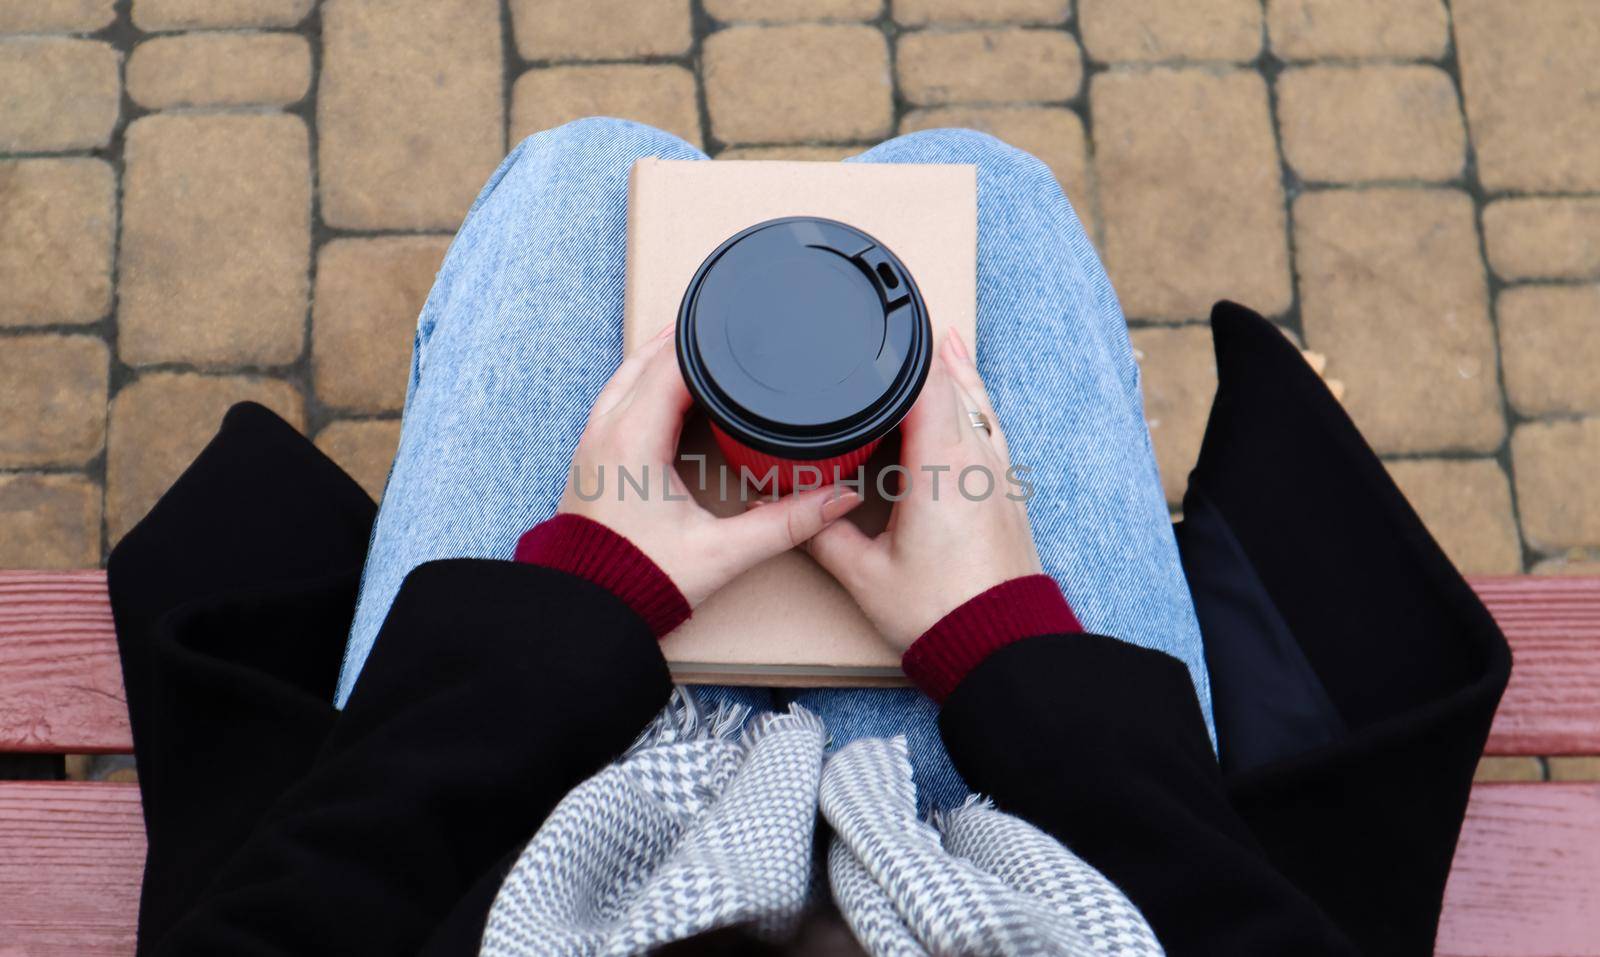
(59, 665)
(1523, 885)
(1552, 705)
(71, 858)
(1526, 877)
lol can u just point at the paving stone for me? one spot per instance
(600, 29)
(1179, 373)
(803, 154)
(1350, 124)
(988, 66)
(162, 421)
(76, 766)
(1191, 195)
(363, 449)
(49, 521)
(1555, 464)
(216, 239)
(916, 13)
(219, 69)
(1508, 769)
(1393, 292)
(1466, 504)
(1115, 30)
(57, 93)
(1543, 238)
(1581, 768)
(1052, 133)
(1550, 348)
(115, 768)
(410, 115)
(52, 400)
(797, 84)
(55, 260)
(152, 15)
(1350, 29)
(1528, 73)
(369, 292)
(55, 16)
(662, 96)
(785, 11)
(1578, 561)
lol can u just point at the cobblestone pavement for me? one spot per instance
(203, 201)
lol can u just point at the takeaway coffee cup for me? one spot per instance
(806, 342)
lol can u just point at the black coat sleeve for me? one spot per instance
(1102, 744)
(278, 825)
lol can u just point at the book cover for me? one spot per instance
(787, 622)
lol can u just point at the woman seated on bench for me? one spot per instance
(509, 767)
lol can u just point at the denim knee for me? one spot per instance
(605, 138)
(575, 174)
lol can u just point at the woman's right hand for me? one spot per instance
(943, 546)
(635, 425)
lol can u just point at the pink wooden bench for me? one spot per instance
(1526, 879)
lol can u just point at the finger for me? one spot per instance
(843, 550)
(654, 408)
(934, 422)
(965, 372)
(990, 443)
(627, 375)
(776, 527)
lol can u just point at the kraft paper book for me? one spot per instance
(787, 622)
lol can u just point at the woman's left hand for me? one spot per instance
(939, 550)
(635, 425)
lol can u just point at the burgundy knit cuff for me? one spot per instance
(591, 551)
(958, 642)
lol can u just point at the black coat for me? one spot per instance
(1355, 676)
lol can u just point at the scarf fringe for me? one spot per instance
(943, 819)
(685, 719)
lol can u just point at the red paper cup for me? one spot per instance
(806, 341)
(765, 473)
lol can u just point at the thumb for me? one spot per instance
(778, 526)
(842, 549)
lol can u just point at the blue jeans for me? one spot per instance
(524, 325)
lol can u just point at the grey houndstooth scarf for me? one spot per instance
(702, 826)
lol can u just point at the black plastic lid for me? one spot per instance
(804, 338)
